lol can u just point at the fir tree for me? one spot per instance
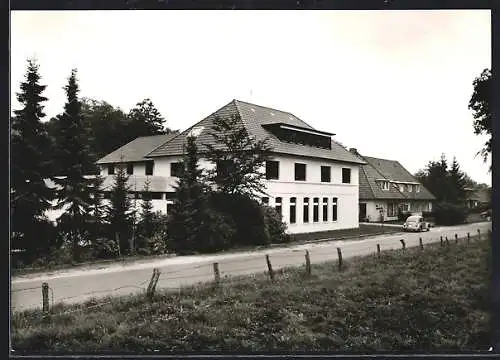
(239, 158)
(192, 225)
(119, 212)
(146, 223)
(457, 182)
(98, 209)
(30, 164)
(71, 154)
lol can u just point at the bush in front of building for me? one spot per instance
(249, 220)
(275, 225)
(449, 214)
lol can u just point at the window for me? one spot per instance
(265, 201)
(278, 205)
(272, 170)
(325, 209)
(175, 169)
(305, 214)
(384, 185)
(156, 195)
(326, 174)
(292, 210)
(149, 167)
(392, 209)
(346, 176)
(315, 209)
(334, 209)
(130, 168)
(111, 169)
(300, 172)
(417, 188)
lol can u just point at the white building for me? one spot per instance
(312, 180)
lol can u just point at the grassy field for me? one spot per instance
(436, 299)
(361, 232)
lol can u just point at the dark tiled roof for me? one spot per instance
(135, 182)
(252, 118)
(390, 170)
(136, 149)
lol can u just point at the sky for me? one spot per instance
(392, 84)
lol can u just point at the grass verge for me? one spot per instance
(434, 299)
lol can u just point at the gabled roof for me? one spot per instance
(253, 117)
(390, 170)
(136, 149)
(135, 183)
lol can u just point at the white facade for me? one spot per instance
(415, 207)
(332, 197)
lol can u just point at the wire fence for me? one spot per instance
(175, 280)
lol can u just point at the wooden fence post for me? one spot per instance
(456, 239)
(378, 250)
(468, 238)
(216, 273)
(152, 283)
(447, 241)
(441, 239)
(479, 234)
(403, 243)
(45, 297)
(421, 243)
(339, 253)
(308, 263)
(270, 267)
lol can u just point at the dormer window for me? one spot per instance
(384, 185)
(300, 135)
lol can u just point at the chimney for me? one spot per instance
(354, 151)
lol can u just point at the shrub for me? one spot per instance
(449, 214)
(275, 225)
(155, 244)
(247, 215)
(104, 248)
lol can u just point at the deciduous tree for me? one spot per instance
(240, 158)
(480, 104)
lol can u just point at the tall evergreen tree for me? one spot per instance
(457, 183)
(30, 164)
(186, 215)
(239, 158)
(74, 188)
(119, 212)
(192, 225)
(98, 210)
(146, 224)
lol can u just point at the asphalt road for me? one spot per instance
(75, 286)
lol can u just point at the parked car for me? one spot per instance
(416, 223)
(486, 214)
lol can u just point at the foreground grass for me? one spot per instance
(418, 300)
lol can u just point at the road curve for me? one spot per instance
(75, 286)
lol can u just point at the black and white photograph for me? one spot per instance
(250, 181)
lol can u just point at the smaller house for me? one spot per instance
(477, 197)
(386, 188)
